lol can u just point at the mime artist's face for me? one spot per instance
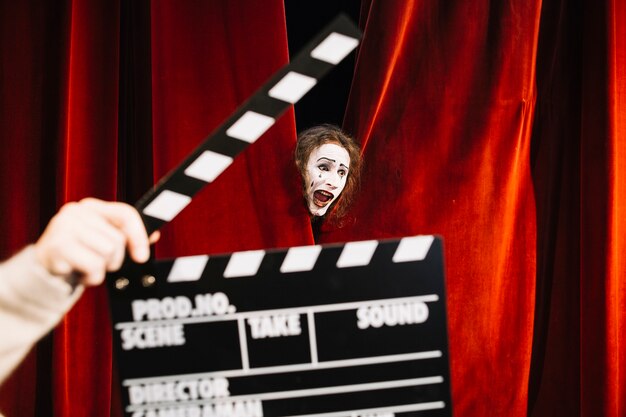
(327, 172)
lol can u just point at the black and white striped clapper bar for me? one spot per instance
(357, 329)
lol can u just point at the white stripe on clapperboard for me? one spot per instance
(342, 363)
(380, 410)
(243, 344)
(312, 336)
(324, 308)
(406, 408)
(301, 258)
(309, 392)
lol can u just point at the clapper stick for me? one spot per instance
(248, 123)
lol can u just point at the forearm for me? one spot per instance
(32, 302)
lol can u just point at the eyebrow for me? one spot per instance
(333, 161)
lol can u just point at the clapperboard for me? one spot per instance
(354, 329)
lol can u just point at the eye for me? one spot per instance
(323, 167)
(343, 172)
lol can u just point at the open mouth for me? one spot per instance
(322, 197)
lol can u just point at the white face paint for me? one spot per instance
(327, 172)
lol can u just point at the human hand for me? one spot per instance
(88, 238)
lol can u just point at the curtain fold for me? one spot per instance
(555, 160)
(59, 112)
(207, 58)
(578, 169)
(603, 219)
(86, 165)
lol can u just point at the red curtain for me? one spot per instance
(207, 58)
(60, 96)
(59, 128)
(499, 125)
(444, 107)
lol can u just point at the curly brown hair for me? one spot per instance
(316, 136)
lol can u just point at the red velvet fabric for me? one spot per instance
(59, 127)
(207, 58)
(446, 127)
(603, 215)
(578, 168)
(499, 125)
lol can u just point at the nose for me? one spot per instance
(333, 180)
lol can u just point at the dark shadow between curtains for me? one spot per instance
(555, 161)
(135, 107)
(326, 102)
(577, 156)
(134, 170)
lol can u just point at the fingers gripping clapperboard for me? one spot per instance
(357, 329)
